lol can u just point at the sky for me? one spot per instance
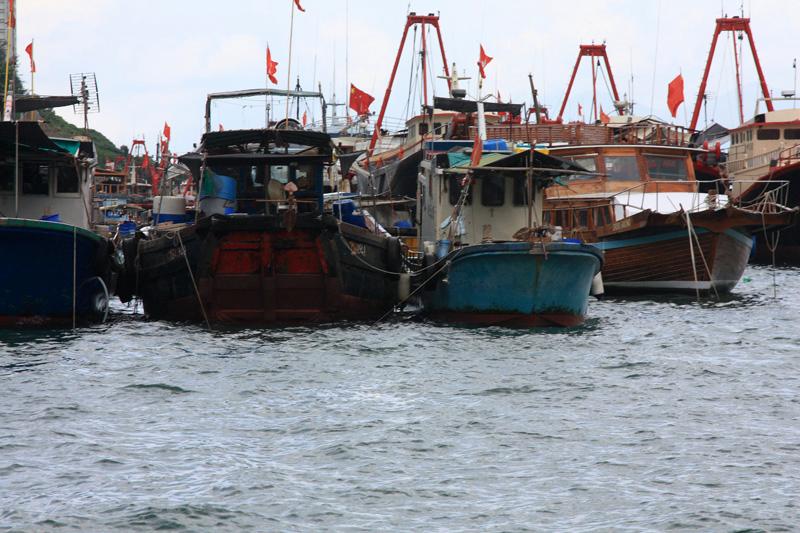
(156, 60)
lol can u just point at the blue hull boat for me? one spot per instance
(518, 284)
(52, 274)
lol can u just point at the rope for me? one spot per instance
(194, 284)
(691, 251)
(74, 274)
(412, 293)
(772, 245)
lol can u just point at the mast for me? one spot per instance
(592, 51)
(732, 25)
(411, 20)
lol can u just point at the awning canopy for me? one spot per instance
(470, 106)
(26, 102)
(31, 139)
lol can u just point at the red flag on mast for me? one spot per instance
(605, 119)
(12, 16)
(29, 49)
(359, 100)
(483, 60)
(305, 119)
(272, 68)
(477, 151)
(580, 110)
(297, 3)
(675, 94)
(167, 132)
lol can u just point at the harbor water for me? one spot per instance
(660, 413)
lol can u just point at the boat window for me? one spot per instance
(66, 180)
(437, 128)
(454, 189)
(666, 168)
(279, 173)
(601, 216)
(412, 131)
(423, 128)
(304, 177)
(588, 163)
(35, 179)
(622, 167)
(6, 178)
(791, 133)
(581, 218)
(493, 190)
(546, 217)
(521, 190)
(768, 134)
(749, 135)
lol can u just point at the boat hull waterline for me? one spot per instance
(515, 284)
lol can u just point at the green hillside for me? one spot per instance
(55, 126)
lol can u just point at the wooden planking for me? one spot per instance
(659, 261)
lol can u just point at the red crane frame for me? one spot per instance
(592, 51)
(733, 24)
(411, 20)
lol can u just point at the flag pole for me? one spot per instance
(266, 96)
(10, 18)
(289, 68)
(33, 69)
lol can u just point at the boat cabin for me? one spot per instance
(257, 171)
(54, 176)
(615, 168)
(770, 139)
(504, 195)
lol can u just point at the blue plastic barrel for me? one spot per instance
(442, 248)
(495, 144)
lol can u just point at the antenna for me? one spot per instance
(84, 86)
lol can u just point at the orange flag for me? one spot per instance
(167, 132)
(675, 94)
(29, 49)
(297, 3)
(477, 151)
(483, 60)
(605, 119)
(272, 68)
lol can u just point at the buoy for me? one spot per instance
(404, 287)
(597, 289)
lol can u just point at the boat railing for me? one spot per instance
(779, 157)
(579, 134)
(773, 197)
(770, 196)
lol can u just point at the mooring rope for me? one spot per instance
(194, 284)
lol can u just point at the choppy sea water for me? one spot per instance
(658, 414)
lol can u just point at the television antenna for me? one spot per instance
(83, 85)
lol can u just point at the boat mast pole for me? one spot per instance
(535, 99)
(289, 68)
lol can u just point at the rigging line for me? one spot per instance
(430, 68)
(655, 58)
(411, 73)
(605, 81)
(721, 72)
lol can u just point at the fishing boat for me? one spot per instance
(265, 249)
(54, 272)
(488, 259)
(641, 203)
(764, 155)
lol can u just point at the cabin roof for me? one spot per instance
(216, 140)
(31, 139)
(497, 160)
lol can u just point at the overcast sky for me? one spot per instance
(156, 60)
